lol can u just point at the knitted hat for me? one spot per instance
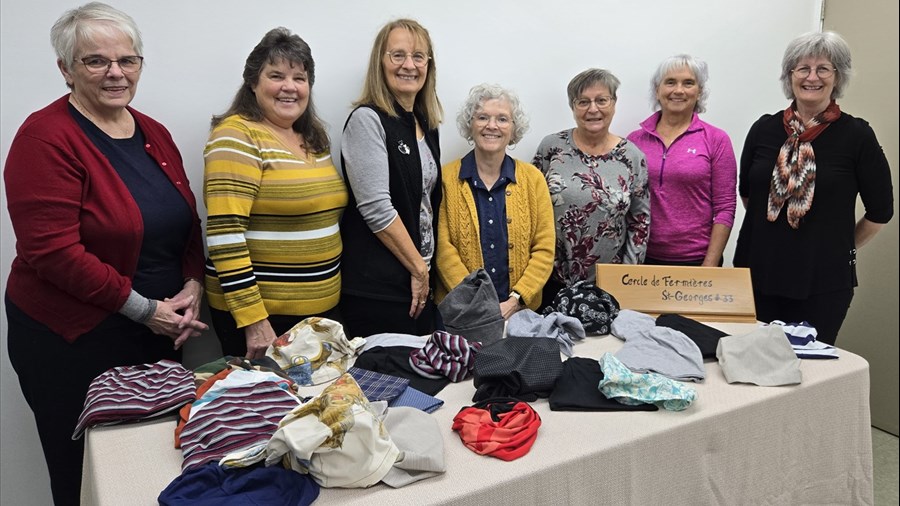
(445, 355)
(632, 388)
(472, 309)
(418, 436)
(563, 329)
(137, 392)
(763, 357)
(662, 350)
(576, 389)
(522, 367)
(594, 308)
(706, 337)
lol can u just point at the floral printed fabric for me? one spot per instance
(631, 388)
(314, 351)
(601, 205)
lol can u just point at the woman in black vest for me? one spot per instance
(391, 160)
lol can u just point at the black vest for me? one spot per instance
(368, 268)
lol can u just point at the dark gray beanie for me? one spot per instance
(472, 309)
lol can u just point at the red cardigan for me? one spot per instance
(78, 230)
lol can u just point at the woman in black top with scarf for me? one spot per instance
(800, 173)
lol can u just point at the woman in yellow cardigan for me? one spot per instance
(496, 212)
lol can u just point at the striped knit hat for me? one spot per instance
(445, 355)
(136, 392)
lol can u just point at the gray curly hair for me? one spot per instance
(481, 93)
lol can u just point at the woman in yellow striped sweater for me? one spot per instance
(274, 200)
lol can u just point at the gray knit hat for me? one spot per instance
(472, 309)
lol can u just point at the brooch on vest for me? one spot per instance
(403, 148)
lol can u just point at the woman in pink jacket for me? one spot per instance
(691, 167)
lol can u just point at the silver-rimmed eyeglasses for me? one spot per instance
(481, 119)
(419, 58)
(101, 65)
(823, 71)
(585, 103)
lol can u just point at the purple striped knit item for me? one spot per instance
(445, 355)
(135, 392)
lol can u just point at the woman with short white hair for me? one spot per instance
(496, 211)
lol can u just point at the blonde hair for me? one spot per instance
(375, 89)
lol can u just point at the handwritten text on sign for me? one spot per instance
(701, 291)
(675, 293)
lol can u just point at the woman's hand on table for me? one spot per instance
(259, 336)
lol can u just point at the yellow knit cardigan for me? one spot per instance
(532, 234)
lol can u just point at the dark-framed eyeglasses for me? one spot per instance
(101, 65)
(419, 58)
(823, 71)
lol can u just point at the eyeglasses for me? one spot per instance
(484, 119)
(419, 58)
(823, 71)
(585, 103)
(101, 65)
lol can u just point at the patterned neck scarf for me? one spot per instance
(794, 175)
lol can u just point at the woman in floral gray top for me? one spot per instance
(598, 186)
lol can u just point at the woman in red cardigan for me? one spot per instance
(108, 247)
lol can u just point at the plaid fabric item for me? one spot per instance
(523, 367)
(135, 392)
(594, 308)
(413, 398)
(377, 386)
(447, 355)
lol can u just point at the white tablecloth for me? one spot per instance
(737, 444)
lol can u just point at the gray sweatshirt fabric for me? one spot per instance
(564, 329)
(661, 350)
(763, 357)
(418, 436)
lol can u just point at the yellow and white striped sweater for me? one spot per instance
(272, 232)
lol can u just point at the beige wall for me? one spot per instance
(871, 29)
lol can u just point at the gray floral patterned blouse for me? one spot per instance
(601, 205)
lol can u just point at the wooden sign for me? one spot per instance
(702, 293)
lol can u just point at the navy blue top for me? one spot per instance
(491, 207)
(166, 215)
